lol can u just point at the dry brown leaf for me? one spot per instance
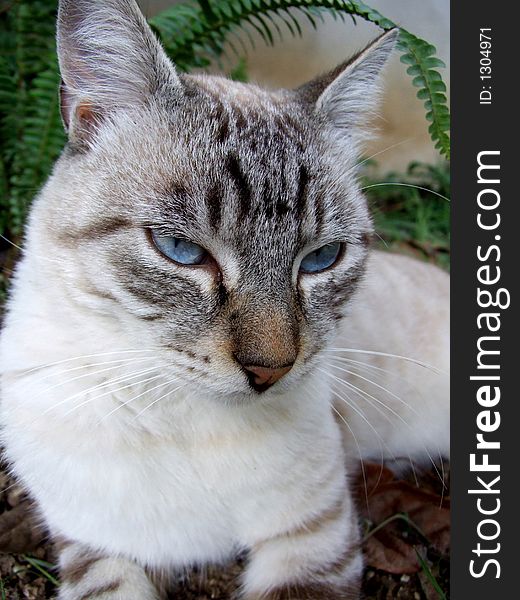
(385, 499)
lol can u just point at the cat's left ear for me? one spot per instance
(346, 94)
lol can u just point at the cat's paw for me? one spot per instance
(86, 575)
(318, 560)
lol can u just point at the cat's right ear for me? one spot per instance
(109, 60)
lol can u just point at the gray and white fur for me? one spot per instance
(143, 402)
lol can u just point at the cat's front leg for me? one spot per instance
(319, 560)
(88, 575)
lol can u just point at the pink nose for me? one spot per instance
(262, 378)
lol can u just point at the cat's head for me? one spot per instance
(221, 222)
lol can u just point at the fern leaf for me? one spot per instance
(31, 124)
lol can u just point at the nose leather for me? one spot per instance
(262, 378)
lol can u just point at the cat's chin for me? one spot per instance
(247, 397)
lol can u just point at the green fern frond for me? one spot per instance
(194, 35)
(8, 99)
(32, 134)
(40, 144)
(420, 56)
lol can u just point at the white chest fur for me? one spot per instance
(210, 481)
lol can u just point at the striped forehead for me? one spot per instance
(254, 164)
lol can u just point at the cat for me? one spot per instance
(195, 303)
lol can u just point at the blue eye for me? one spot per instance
(321, 259)
(179, 250)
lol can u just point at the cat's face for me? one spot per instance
(220, 221)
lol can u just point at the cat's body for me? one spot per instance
(165, 414)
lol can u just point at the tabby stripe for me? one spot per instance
(282, 207)
(267, 200)
(222, 293)
(366, 239)
(93, 290)
(340, 291)
(176, 190)
(293, 124)
(150, 295)
(214, 204)
(319, 213)
(240, 120)
(99, 591)
(149, 317)
(100, 228)
(219, 114)
(301, 194)
(148, 284)
(77, 569)
(289, 128)
(223, 124)
(241, 184)
(312, 526)
(322, 520)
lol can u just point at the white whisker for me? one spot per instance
(80, 357)
(349, 401)
(384, 150)
(160, 398)
(374, 384)
(362, 393)
(383, 240)
(39, 256)
(391, 454)
(405, 423)
(367, 187)
(388, 355)
(359, 452)
(101, 385)
(361, 364)
(411, 408)
(354, 407)
(118, 364)
(356, 364)
(146, 391)
(6, 489)
(109, 392)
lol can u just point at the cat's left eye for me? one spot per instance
(322, 258)
(181, 251)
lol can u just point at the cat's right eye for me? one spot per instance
(179, 250)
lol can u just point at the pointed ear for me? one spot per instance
(109, 59)
(346, 94)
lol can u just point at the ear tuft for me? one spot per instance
(109, 59)
(346, 94)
